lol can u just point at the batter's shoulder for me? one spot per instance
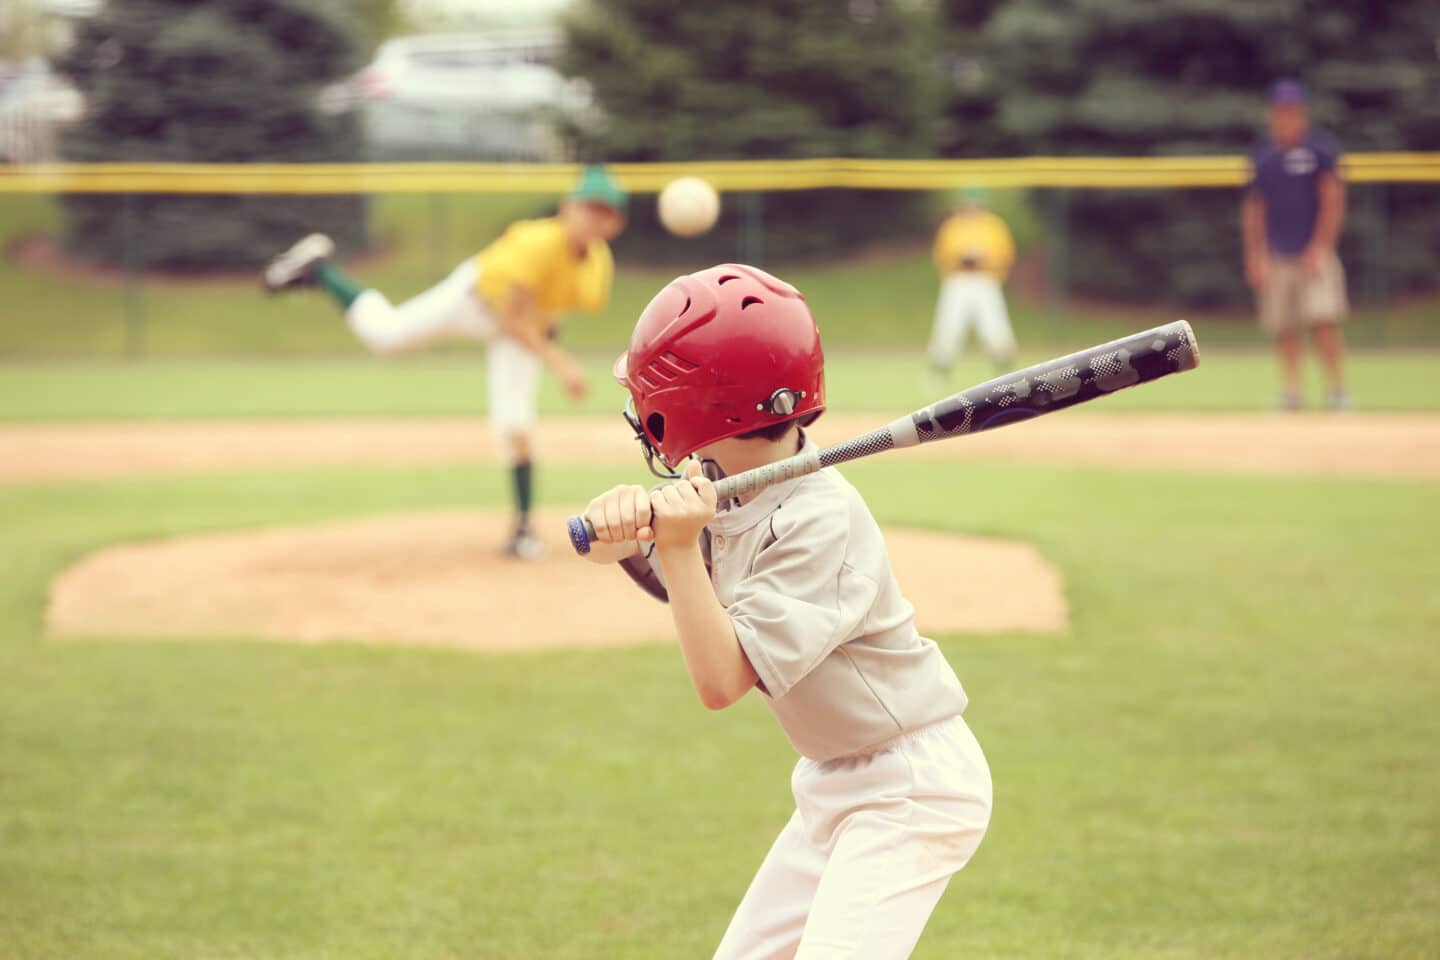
(825, 499)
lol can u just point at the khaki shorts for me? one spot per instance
(1293, 297)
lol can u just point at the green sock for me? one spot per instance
(523, 486)
(345, 290)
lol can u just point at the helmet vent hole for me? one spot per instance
(685, 309)
(749, 300)
(727, 278)
(655, 423)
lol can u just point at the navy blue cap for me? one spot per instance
(1287, 91)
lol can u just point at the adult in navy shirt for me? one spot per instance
(1291, 217)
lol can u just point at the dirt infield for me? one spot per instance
(1397, 445)
(436, 578)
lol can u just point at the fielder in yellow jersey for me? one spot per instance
(973, 252)
(511, 296)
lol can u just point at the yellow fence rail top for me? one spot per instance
(1135, 173)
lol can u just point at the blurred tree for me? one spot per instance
(1145, 77)
(971, 83)
(762, 79)
(218, 81)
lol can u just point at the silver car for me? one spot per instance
(481, 96)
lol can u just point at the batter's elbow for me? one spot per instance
(713, 698)
(716, 696)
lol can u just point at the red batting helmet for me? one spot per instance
(719, 353)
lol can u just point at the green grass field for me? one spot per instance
(883, 302)
(1231, 755)
(856, 381)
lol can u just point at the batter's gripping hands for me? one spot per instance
(1032, 392)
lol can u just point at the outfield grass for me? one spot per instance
(875, 382)
(883, 302)
(1231, 754)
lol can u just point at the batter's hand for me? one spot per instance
(1313, 259)
(682, 509)
(621, 515)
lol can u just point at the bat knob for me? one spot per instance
(580, 534)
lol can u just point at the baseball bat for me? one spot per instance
(1032, 392)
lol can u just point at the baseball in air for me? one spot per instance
(689, 206)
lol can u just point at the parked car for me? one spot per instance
(492, 96)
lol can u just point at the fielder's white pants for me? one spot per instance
(970, 299)
(453, 309)
(868, 852)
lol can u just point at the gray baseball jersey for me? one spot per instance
(803, 573)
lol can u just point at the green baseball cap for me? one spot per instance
(597, 186)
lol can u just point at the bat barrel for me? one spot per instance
(1060, 383)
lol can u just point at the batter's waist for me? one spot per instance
(922, 732)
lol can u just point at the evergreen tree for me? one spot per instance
(218, 81)
(972, 84)
(762, 79)
(1155, 77)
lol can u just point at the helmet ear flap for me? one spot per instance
(655, 426)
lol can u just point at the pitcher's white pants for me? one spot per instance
(868, 852)
(453, 309)
(970, 299)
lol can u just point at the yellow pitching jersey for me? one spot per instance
(538, 256)
(975, 240)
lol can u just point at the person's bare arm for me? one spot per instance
(1252, 231)
(1328, 220)
(518, 321)
(718, 667)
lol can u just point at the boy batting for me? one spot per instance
(510, 296)
(788, 591)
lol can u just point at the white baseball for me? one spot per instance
(689, 206)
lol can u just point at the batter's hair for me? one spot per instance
(777, 431)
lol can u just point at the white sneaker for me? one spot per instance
(525, 546)
(296, 266)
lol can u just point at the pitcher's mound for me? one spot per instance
(438, 579)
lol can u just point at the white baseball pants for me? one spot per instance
(869, 850)
(453, 309)
(971, 299)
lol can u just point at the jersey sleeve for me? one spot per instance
(519, 258)
(1252, 179)
(802, 599)
(1327, 153)
(593, 278)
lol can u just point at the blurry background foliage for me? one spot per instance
(222, 82)
(243, 80)
(763, 79)
(1146, 77)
